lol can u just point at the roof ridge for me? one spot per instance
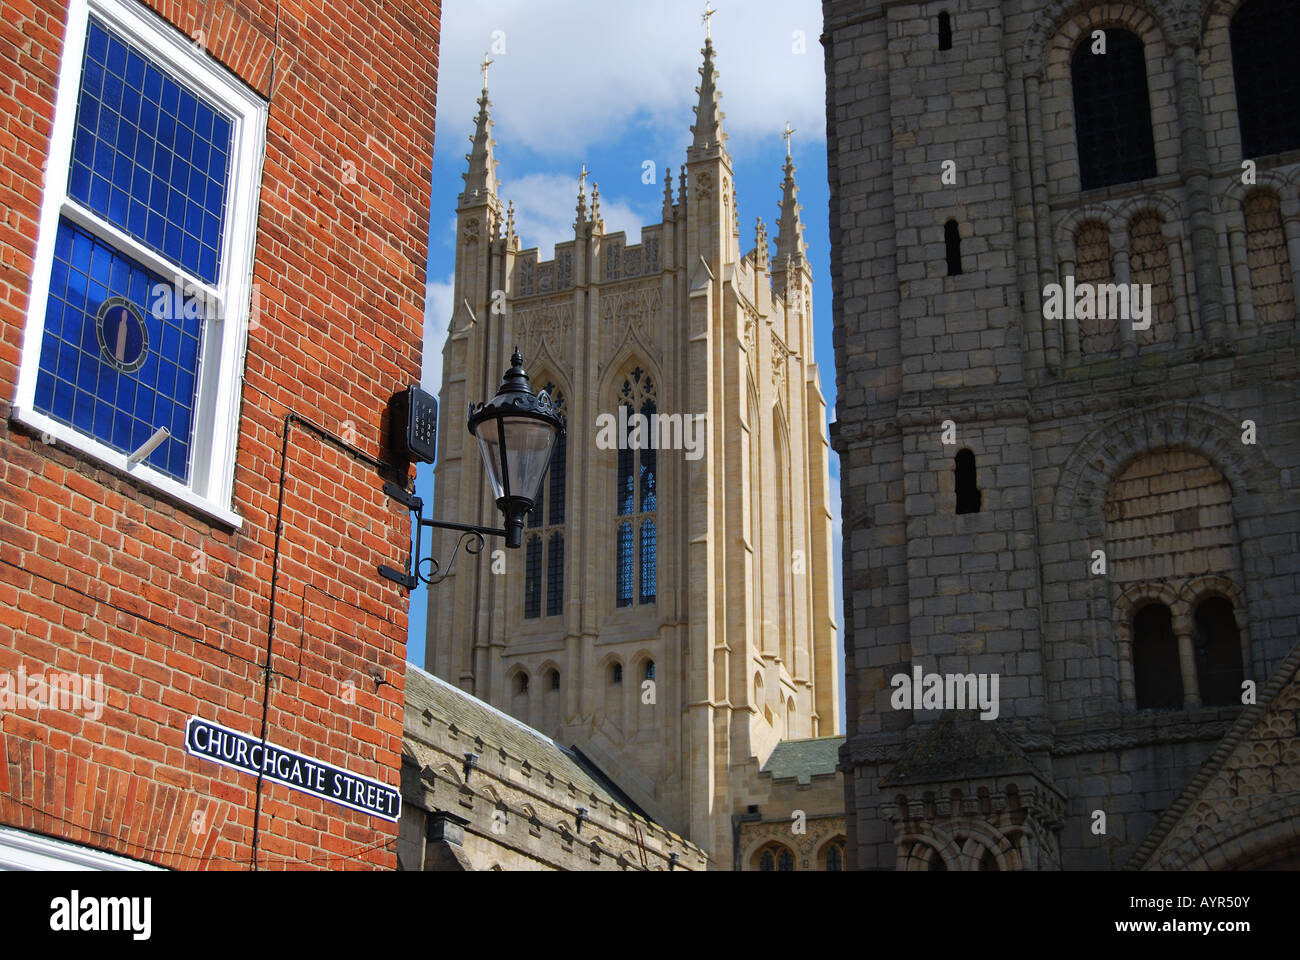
(485, 705)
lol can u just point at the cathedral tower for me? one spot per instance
(1069, 500)
(670, 613)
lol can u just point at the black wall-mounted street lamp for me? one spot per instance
(516, 432)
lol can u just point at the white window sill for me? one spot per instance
(20, 850)
(117, 461)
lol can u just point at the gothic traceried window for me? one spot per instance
(1264, 35)
(834, 858)
(636, 492)
(1112, 111)
(547, 517)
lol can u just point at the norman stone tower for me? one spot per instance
(670, 613)
(1064, 496)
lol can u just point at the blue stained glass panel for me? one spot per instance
(623, 564)
(79, 382)
(649, 557)
(137, 133)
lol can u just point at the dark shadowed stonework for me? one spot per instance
(1087, 434)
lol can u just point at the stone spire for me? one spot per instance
(481, 177)
(582, 199)
(762, 252)
(668, 193)
(789, 242)
(709, 138)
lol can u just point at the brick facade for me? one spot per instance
(279, 628)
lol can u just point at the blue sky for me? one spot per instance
(611, 83)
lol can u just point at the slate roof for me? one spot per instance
(473, 718)
(803, 759)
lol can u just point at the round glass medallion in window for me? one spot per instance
(123, 336)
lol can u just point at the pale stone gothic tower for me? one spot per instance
(671, 612)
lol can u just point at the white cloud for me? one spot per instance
(579, 72)
(437, 318)
(549, 207)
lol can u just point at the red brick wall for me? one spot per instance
(99, 575)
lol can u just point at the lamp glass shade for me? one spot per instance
(529, 444)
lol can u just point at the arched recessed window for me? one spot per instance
(1112, 111)
(649, 669)
(547, 517)
(969, 497)
(1149, 264)
(1268, 259)
(521, 682)
(533, 577)
(1098, 334)
(1218, 653)
(1264, 36)
(616, 673)
(835, 858)
(1157, 676)
(952, 245)
(775, 856)
(554, 678)
(637, 494)
(945, 31)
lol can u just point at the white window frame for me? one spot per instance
(219, 379)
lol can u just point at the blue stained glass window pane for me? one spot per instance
(85, 378)
(625, 489)
(116, 130)
(649, 554)
(623, 564)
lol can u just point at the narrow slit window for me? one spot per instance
(969, 497)
(952, 245)
(945, 31)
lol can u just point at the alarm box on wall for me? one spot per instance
(413, 425)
